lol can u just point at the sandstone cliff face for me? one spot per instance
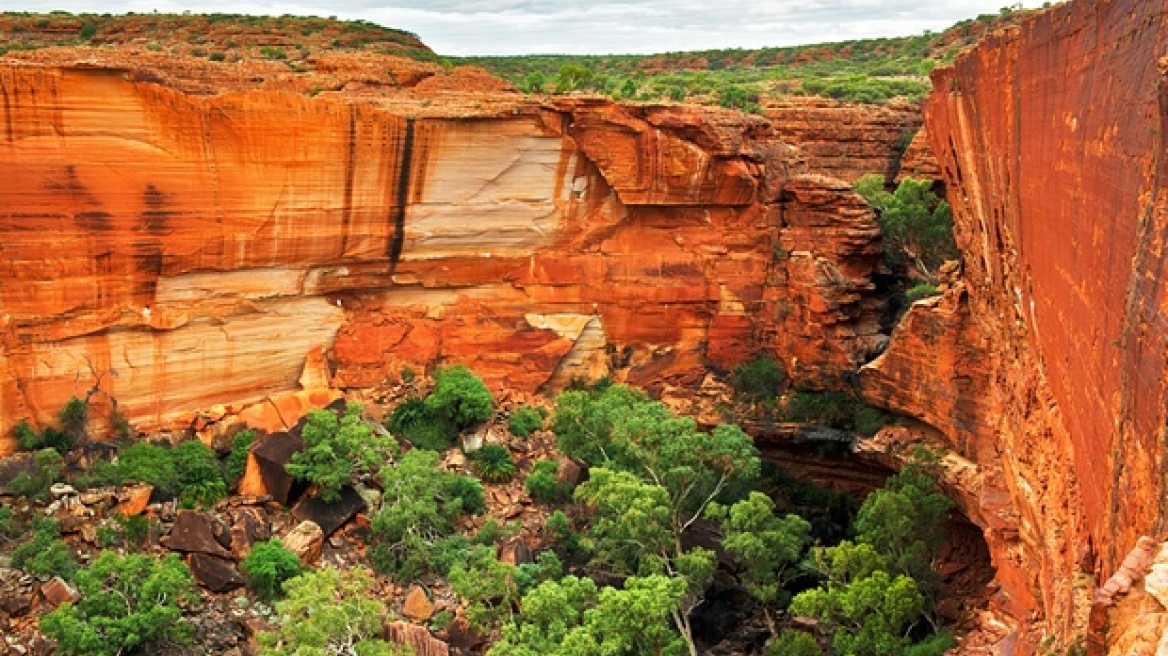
(846, 141)
(173, 252)
(1051, 141)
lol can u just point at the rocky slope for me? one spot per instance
(1049, 364)
(181, 235)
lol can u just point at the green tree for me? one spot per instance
(460, 398)
(546, 615)
(338, 451)
(330, 612)
(544, 485)
(419, 504)
(870, 617)
(268, 565)
(74, 417)
(790, 642)
(766, 547)
(35, 483)
(571, 77)
(525, 421)
(917, 224)
(126, 602)
(235, 465)
(759, 380)
(200, 479)
(46, 554)
(533, 82)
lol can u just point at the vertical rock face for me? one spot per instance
(1050, 138)
(168, 252)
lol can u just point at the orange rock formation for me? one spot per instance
(175, 250)
(1051, 368)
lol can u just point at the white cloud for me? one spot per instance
(466, 27)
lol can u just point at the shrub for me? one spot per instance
(26, 436)
(794, 643)
(88, 31)
(136, 529)
(330, 612)
(74, 416)
(493, 464)
(146, 463)
(460, 397)
(543, 485)
(9, 526)
(759, 380)
(46, 554)
(338, 451)
(236, 463)
(47, 467)
(917, 292)
(525, 421)
(413, 419)
(917, 224)
(199, 477)
(126, 602)
(217, 56)
(420, 502)
(268, 565)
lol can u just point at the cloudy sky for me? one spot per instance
(483, 27)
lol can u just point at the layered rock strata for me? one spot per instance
(166, 252)
(1050, 138)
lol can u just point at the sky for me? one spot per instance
(513, 27)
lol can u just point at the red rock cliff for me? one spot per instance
(178, 251)
(1051, 141)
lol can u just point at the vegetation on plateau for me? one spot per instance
(869, 70)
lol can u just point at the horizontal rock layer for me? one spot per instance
(165, 252)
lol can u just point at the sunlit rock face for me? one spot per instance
(166, 252)
(1052, 368)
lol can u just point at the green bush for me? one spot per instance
(146, 463)
(136, 529)
(460, 398)
(26, 436)
(525, 421)
(268, 565)
(88, 31)
(9, 526)
(127, 602)
(420, 503)
(413, 419)
(235, 465)
(917, 292)
(74, 416)
(544, 486)
(45, 554)
(338, 451)
(330, 612)
(47, 467)
(493, 464)
(917, 224)
(200, 479)
(790, 642)
(759, 380)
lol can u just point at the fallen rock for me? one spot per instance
(569, 472)
(16, 605)
(57, 591)
(133, 500)
(417, 605)
(417, 637)
(196, 532)
(329, 516)
(462, 637)
(265, 474)
(515, 552)
(60, 490)
(306, 541)
(214, 573)
(248, 527)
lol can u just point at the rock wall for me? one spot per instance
(166, 252)
(846, 140)
(1050, 138)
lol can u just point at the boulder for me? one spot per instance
(196, 532)
(265, 473)
(462, 637)
(515, 552)
(248, 527)
(57, 591)
(133, 500)
(306, 541)
(417, 637)
(329, 516)
(417, 605)
(214, 573)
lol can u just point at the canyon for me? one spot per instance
(193, 245)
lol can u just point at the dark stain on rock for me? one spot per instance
(156, 216)
(94, 221)
(398, 211)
